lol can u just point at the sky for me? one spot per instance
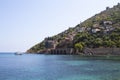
(24, 23)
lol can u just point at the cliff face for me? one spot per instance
(101, 30)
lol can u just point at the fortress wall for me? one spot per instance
(103, 51)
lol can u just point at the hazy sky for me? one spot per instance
(23, 23)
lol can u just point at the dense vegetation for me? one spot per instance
(88, 39)
(101, 40)
(98, 40)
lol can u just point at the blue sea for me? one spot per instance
(56, 67)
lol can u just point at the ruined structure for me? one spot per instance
(62, 51)
(50, 43)
(52, 48)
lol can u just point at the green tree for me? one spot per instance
(81, 37)
(109, 43)
(79, 46)
(118, 43)
(98, 42)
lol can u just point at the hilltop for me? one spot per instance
(100, 31)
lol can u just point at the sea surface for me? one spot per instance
(56, 67)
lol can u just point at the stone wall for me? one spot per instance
(61, 51)
(101, 51)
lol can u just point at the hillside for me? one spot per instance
(101, 30)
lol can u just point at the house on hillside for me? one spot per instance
(107, 26)
(95, 28)
(104, 27)
(80, 29)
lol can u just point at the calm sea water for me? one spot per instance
(56, 67)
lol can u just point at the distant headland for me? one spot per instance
(98, 35)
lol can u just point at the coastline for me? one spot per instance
(89, 57)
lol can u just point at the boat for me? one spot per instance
(18, 53)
